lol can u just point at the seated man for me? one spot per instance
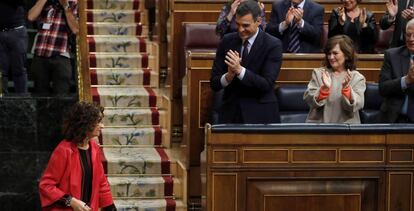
(396, 82)
(248, 83)
(298, 23)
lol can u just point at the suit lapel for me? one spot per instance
(254, 50)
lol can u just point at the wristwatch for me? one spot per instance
(68, 199)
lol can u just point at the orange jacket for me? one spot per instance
(63, 175)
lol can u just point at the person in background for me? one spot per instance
(355, 22)
(13, 45)
(57, 20)
(74, 177)
(335, 94)
(396, 83)
(398, 13)
(246, 66)
(298, 23)
(226, 22)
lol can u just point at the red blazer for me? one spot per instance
(63, 175)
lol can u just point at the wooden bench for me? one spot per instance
(308, 167)
(197, 94)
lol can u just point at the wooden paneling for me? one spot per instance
(332, 172)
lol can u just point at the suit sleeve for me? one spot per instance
(389, 86)
(219, 67)
(369, 33)
(312, 28)
(273, 24)
(48, 186)
(264, 81)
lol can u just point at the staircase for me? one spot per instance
(125, 80)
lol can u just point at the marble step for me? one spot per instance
(117, 16)
(144, 187)
(150, 205)
(124, 76)
(124, 29)
(116, 4)
(123, 60)
(128, 97)
(134, 117)
(121, 44)
(137, 161)
(154, 136)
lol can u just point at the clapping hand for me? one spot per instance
(409, 79)
(298, 14)
(326, 80)
(363, 17)
(79, 205)
(342, 15)
(289, 16)
(233, 62)
(392, 7)
(408, 13)
(233, 9)
(347, 79)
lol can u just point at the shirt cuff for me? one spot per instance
(282, 27)
(403, 84)
(242, 72)
(223, 81)
(347, 93)
(301, 24)
(323, 94)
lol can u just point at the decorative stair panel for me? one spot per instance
(125, 80)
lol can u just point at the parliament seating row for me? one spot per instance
(202, 37)
(293, 109)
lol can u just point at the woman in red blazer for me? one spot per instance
(74, 178)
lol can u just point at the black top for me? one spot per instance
(86, 164)
(12, 13)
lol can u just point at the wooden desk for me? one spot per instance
(308, 169)
(197, 94)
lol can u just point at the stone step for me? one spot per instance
(123, 60)
(124, 76)
(150, 205)
(124, 29)
(137, 161)
(128, 97)
(145, 187)
(154, 136)
(134, 117)
(117, 16)
(121, 44)
(116, 4)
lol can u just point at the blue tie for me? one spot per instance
(294, 42)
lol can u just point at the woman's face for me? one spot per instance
(350, 4)
(97, 130)
(336, 58)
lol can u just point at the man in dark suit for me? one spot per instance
(397, 14)
(246, 66)
(396, 83)
(303, 18)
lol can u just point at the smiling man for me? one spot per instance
(246, 66)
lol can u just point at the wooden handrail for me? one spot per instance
(82, 52)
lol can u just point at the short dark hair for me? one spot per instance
(347, 47)
(80, 120)
(248, 7)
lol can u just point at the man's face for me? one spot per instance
(409, 38)
(247, 26)
(296, 1)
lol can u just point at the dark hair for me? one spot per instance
(347, 47)
(249, 7)
(80, 120)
